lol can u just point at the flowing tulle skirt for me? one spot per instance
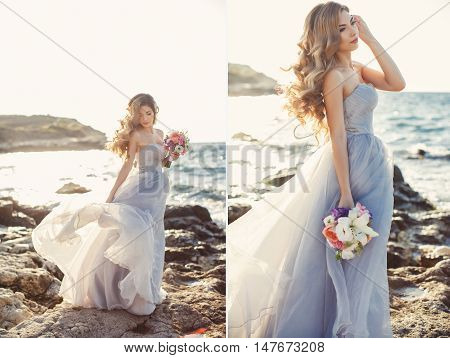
(283, 278)
(111, 254)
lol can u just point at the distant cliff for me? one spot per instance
(45, 133)
(245, 81)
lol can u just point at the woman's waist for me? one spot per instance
(361, 136)
(147, 171)
(359, 131)
(149, 167)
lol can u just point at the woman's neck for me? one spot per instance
(148, 130)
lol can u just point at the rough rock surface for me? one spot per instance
(194, 277)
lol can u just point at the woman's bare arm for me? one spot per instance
(126, 167)
(161, 134)
(334, 98)
(391, 78)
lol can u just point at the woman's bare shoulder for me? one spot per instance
(136, 137)
(333, 79)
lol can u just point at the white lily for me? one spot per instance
(360, 235)
(360, 224)
(343, 229)
(353, 214)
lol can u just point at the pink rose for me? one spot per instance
(175, 137)
(362, 209)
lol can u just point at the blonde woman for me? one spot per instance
(283, 278)
(112, 253)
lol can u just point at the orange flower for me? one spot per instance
(331, 236)
(329, 233)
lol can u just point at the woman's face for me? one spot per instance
(349, 32)
(146, 116)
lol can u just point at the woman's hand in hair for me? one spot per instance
(364, 32)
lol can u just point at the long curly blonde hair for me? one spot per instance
(129, 123)
(317, 56)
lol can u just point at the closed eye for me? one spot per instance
(343, 28)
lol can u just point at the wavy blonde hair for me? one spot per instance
(317, 56)
(129, 123)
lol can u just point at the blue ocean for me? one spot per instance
(415, 125)
(33, 178)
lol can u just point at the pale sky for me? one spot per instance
(174, 50)
(264, 35)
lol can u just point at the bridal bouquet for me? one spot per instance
(348, 231)
(176, 144)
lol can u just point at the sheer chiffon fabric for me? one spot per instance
(112, 254)
(283, 278)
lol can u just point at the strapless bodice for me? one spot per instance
(358, 109)
(150, 157)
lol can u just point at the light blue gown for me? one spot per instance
(283, 279)
(112, 254)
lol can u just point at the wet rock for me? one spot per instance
(279, 178)
(407, 199)
(193, 218)
(235, 211)
(430, 255)
(398, 255)
(187, 211)
(420, 300)
(180, 238)
(14, 214)
(412, 233)
(37, 212)
(11, 217)
(398, 176)
(419, 154)
(6, 208)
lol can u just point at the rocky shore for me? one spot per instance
(35, 133)
(194, 277)
(418, 262)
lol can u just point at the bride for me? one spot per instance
(283, 278)
(112, 253)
